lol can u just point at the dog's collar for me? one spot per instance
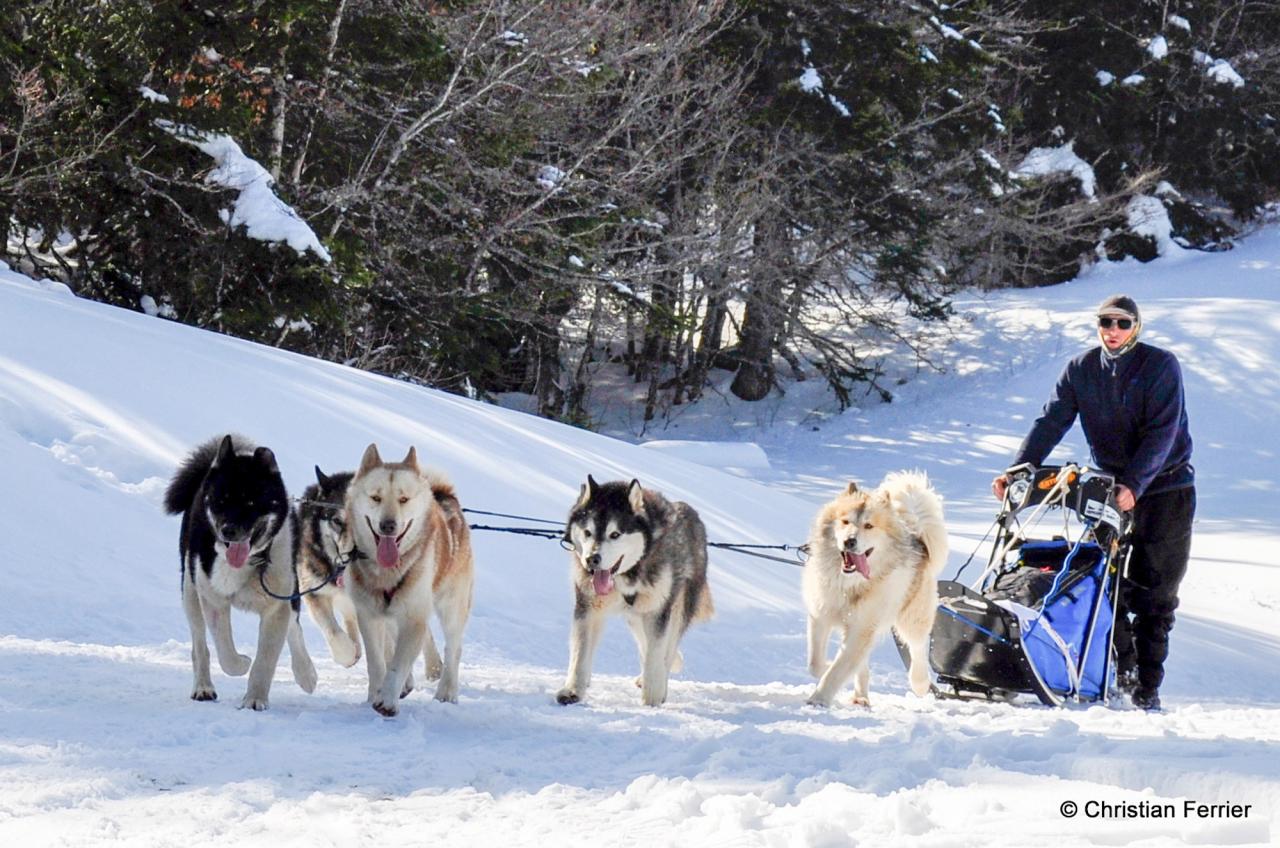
(348, 557)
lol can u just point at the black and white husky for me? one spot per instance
(236, 522)
(641, 555)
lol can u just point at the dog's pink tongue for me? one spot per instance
(603, 581)
(388, 552)
(237, 554)
(858, 562)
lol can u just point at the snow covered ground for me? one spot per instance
(100, 743)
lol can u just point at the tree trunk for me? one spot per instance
(654, 331)
(764, 313)
(657, 340)
(710, 332)
(279, 108)
(547, 366)
(335, 26)
(576, 401)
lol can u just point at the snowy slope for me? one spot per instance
(101, 744)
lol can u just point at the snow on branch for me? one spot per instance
(1055, 160)
(1219, 70)
(264, 216)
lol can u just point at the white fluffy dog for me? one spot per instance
(874, 559)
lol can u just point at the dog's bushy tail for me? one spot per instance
(447, 499)
(921, 508)
(191, 473)
(703, 609)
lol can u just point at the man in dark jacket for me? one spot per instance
(1130, 401)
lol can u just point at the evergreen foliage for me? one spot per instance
(514, 193)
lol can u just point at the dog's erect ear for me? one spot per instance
(411, 458)
(587, 492)
(226, 450)
(635, 495)
(370, 460)
(852, 488)
(267, 459)
(321, 478)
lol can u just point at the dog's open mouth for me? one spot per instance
(858, 562)
(602, 578)
(388, 546)
(238, 553)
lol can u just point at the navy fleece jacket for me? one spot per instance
(1133, 414)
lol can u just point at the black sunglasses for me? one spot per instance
(1122, 323)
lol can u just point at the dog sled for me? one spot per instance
(1038, 620)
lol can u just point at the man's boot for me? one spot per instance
(1146, 698)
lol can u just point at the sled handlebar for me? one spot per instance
(1090, 494)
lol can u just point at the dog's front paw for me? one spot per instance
(344, 650)
(304, 674)
(387, 709)
(860, 701)
(408, 687)
(236, 665)
(252, 703)
(204, 693)
(819, 699)
(447, 694)
(567, 696)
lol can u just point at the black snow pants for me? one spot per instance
(1161, 547)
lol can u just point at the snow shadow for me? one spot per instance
(124, 725)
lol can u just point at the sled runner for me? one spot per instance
(1038, 619)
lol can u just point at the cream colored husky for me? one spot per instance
(411, 553)
(874, 559)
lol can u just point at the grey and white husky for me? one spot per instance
(238, 533)
(322, 517)
(638, 554)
